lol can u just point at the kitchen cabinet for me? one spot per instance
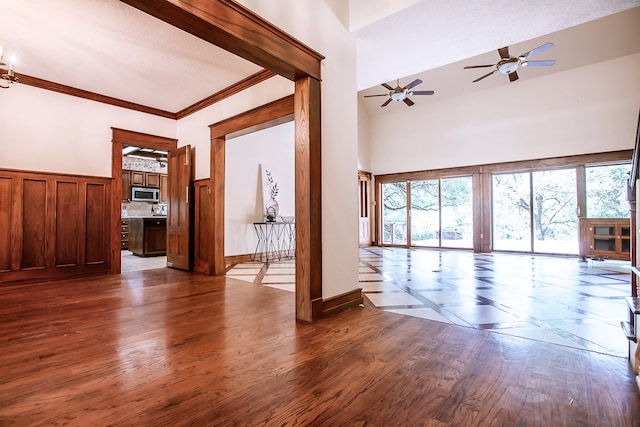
(138, 178)
(126, 185)
(144, 179)
(608, 238)
(164, 188)
(148, 236)
(152, 179)
(124, 233)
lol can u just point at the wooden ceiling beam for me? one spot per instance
(262, 117)
(236, 29)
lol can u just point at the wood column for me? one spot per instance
(216, 254)
(308, 178)
(485, 235)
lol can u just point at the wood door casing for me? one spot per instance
(364, 186)
(180, 196)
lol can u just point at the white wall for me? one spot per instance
(587, 110)
(243, 190)
(364, 12)
(194, 129)
(46, 131)
(314, 24)
(364, 138)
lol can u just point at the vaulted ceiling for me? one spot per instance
(110, 48)
(602, 39)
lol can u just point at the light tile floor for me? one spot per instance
(131, 262)
(554, 299)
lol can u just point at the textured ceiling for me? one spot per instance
(600, 40)
(432, 34)
(110, 48)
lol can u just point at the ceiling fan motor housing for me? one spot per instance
(398, 95)
(509, 65)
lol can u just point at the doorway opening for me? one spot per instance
(144, 196)
(139, 186)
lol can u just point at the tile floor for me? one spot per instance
(130, 262)
(553, 299)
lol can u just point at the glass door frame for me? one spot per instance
(380, 212)
(482, 188)
(580, 203)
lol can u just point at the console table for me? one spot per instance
(276, 241)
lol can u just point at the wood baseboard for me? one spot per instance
(236, 259)
(341, 302)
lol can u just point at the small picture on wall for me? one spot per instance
(270, 192)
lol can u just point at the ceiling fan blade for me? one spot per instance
(504, 52)
(513, 76)
(422, 92)
(479, 66)
(408, 102)
(486, 75)
(386, 86)
(371, 96)
(386, 102)
(414, 83)
(537, 50)
(541, 63)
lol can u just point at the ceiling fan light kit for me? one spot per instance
(402, 93)
(509, 65)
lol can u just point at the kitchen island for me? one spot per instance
(148, 235)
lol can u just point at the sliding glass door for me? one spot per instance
(536, 212)
(394, 213)
(511, 215)
(532, 210)
(555, 207)
(456, 201)
(425, 213)
(440, 213)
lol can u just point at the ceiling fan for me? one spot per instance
(509, 64)
(402, 93)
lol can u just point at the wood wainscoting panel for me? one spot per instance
(66, 223)
(202, 226)
(6, 204)
(97, 224)
(53, 226)
(34, 223)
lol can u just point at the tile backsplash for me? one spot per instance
(137, 209)
(135, 164)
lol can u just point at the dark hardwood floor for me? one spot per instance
(167, 348)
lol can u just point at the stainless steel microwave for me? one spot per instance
(145, 194)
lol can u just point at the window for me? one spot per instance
(606, 191)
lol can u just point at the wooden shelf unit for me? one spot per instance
(607, 238)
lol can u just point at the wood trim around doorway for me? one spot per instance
(119, 138)
(229, 25)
